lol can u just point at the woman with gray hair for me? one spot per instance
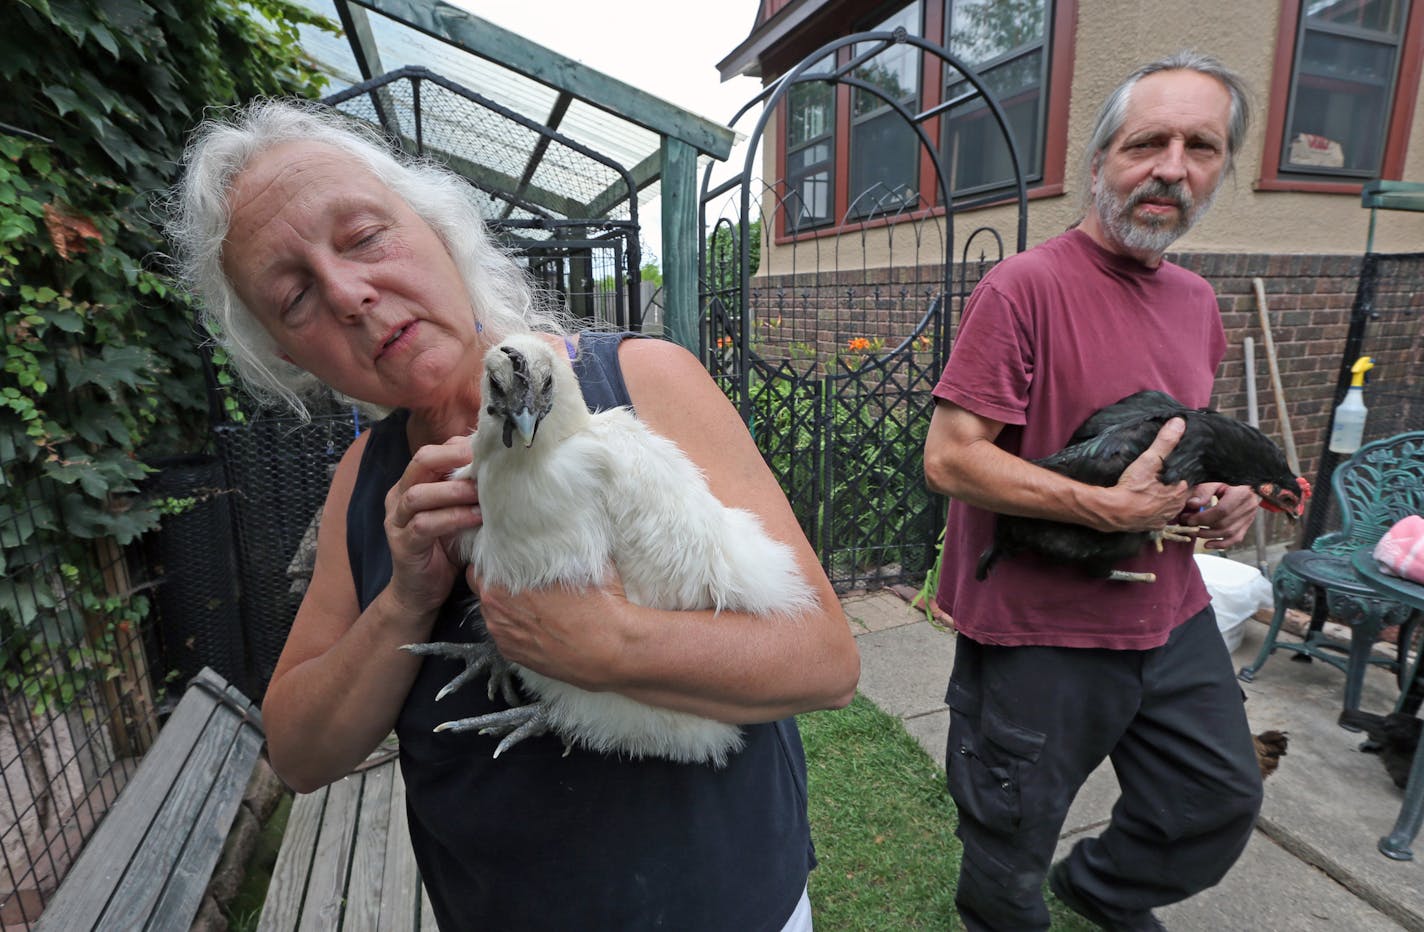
(325, 262)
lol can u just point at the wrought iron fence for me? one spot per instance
(278, 468)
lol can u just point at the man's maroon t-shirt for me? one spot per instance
(1048, 337)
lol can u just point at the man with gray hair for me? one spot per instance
(1055, 671)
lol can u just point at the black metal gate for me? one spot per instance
(831, 344)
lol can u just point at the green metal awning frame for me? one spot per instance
(681, 136)
(1390, 195)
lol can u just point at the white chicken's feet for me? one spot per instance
(479, 656)
(1181, 533)
(516, 724)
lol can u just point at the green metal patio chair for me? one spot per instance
(1380, 484)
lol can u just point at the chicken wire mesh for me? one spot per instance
(278, 469)
(568, 211)
(523, 170)
(194, 561)
(76, 707)
(1386, 324)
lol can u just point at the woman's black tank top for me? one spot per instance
(537, 840)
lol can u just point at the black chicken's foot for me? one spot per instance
(516, 724)
(479, 656)
(1181, 533)
(1125, 576)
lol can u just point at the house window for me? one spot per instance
(1004, 41)
(850, 156)
(1343, 83)
(1343, 93)
(810, 146)
(884, 149)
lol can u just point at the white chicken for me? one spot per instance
(565, 494)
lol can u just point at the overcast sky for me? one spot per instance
(669, 48)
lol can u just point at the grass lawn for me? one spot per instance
(883, 824)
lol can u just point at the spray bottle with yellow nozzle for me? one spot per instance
(1349, 427)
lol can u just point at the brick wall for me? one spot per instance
(1309, 300)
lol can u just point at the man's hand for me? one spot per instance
(1141, 501)
(1226, 523)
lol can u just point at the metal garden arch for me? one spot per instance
(832, 368)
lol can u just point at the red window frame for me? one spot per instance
(1060, 46)
(1396, 143)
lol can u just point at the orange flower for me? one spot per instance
(858, 345)
(724, 342)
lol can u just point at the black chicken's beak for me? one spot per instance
(1275, 498)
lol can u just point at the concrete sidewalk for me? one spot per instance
(1312, 862)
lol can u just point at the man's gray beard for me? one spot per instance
(1152, 235)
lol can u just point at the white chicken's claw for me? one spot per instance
(502, 681)
(537, 725)
(516, 724)
(479, 656)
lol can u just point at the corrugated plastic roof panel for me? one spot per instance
(455, 127)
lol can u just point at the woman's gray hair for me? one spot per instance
(1113, 112)
(198, 217)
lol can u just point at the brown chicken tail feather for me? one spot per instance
(1270, 748)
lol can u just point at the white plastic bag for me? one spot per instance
(1237, 591)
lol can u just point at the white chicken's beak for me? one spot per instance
(525, 423)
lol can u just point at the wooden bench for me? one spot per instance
(346, 860)
(148, 864)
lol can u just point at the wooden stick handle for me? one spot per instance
(1287, 435)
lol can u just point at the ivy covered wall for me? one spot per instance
(101, 370)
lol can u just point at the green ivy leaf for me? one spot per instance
(63, 98)
(102, 427)
(68, 321)
(40, 161)
(105, 38)
(19, 599)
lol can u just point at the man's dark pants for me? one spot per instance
(1027, 727)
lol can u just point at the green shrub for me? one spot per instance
(847, 451)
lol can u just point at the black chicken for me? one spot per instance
(1394, 737)
(1214, 448)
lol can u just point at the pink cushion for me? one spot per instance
(1401, 550)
